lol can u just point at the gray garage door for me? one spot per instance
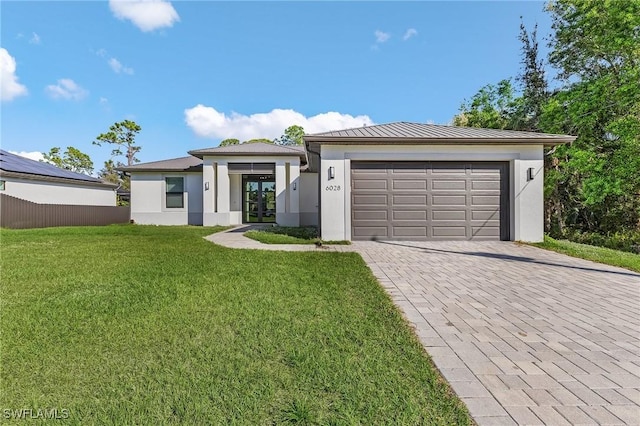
(429, 201)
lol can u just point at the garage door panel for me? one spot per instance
(372, 184)
(488, 169)
(371, 215)
(483, 185)
(371, 200)
(449, 231)
(373, 168)
(448, 168)
(441, 215)
(409, 200)
(428, 200)
(486, 231)
(410, 231)
(409, 215)
(370, 231)
(408, 168)
(485, 214)
(448, 200)
(485, 200)
(410, 184)
(448, 185)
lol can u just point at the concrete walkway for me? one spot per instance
(523, 335)
(234, 238)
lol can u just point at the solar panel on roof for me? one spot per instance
(15, 163)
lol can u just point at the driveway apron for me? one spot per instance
(523, 335)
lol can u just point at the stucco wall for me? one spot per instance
(525, 197)
(148, 200)
(59, 193)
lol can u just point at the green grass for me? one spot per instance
(289, 235)
(154, 325)
(597, 254)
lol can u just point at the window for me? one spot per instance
(175, 192)
(2, 185)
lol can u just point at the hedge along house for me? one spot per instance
(404, 181)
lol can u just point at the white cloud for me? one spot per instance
(381, 36)
(66, 89)
(35, 39)
(33, 155)
(118, 68)
(10, 88)
(148, 15)
(411, 32)
(207, 122)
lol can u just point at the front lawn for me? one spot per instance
(597, 254)
(154, 325)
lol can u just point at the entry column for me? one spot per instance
(281, 194)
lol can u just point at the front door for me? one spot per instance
(258, 199)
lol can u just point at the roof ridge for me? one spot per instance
(378, 130)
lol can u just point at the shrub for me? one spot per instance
(628, 241)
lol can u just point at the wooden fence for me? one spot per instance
(18, 213)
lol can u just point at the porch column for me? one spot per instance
(281, 193)
(222, 192)
(208, 193)
(294, 193)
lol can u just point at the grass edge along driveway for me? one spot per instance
(603, 255)
(143, 324)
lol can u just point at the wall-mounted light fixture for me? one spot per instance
(206, 186)
(295, 186)
(530, 173)
(332, 172)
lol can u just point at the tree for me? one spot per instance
(228, 142)
(122, 135)
(596, 47)
(73, 159)
(592, 185)
(532, 79)
(259, 140)
(493, 107)
(109, 173)
(293, 135)
(594, 37)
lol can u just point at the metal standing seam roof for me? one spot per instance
(258, 148)
(421, 132)
(17, 164)
(184, 164)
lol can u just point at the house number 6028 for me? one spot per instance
(333, 188)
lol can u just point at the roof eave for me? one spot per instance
(201, 154)
(31, 176)
(351, 140)
(193, 169)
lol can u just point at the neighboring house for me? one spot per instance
(44, 183)
(403, 181)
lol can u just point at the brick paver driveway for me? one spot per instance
(523, 335)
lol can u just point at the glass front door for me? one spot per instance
(258, 199)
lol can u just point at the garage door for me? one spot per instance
(429, 201)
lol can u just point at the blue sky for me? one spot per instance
(193, 73)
